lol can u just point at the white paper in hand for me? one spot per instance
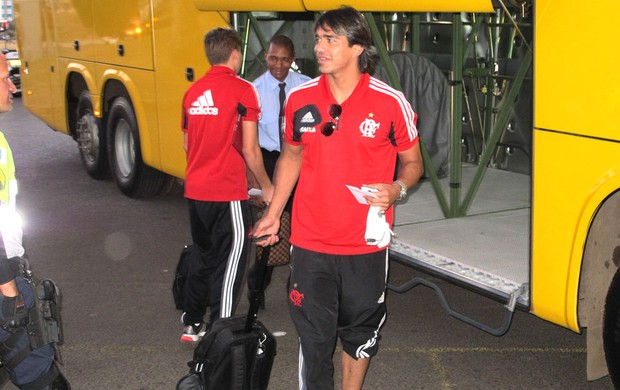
(360, 193)
(255, 192)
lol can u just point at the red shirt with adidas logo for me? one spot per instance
(211, 106)
(375, 123)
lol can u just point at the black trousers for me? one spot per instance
(270, 158)
(217, 264)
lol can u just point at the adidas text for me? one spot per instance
(203, 111)
(204, 105)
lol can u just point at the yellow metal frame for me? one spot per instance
(361, 5)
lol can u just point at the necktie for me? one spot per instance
(282, 98)
(281, 116)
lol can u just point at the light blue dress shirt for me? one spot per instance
(268, 91)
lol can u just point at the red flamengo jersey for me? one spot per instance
(376, 122)
(215, 167)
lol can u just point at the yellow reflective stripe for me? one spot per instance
(7, 173)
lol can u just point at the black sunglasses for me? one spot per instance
(328, 127)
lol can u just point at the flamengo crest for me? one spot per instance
(369, 127)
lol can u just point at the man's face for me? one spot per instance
(7, 88)
(333, 53)
(279, 60)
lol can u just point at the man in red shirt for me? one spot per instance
(343, 128)
(220, 112)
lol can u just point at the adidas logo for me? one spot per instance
(203, 105)
(308, 118)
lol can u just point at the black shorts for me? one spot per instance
(336, 296)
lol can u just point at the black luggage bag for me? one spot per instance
(235, 353)
(180, 275)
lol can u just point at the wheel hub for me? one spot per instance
(88, 135)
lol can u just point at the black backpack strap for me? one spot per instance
(261, 268)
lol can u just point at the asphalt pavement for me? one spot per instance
(114, 259)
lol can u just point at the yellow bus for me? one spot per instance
(111, 74)
(517, 112)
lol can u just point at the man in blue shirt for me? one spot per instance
(279, 58)
(273, 86)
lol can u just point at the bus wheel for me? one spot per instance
(132, 177)
(611, 330)
(91, 139)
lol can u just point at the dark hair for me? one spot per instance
(220, 43)
(351, 23)
(284, 41)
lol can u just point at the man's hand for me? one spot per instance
(14, 311)
(257, 201)
(267, 226)
(384, 197)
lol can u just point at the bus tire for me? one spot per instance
(91, 139)
(611, 330)
(132, 176)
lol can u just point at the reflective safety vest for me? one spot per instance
(8, 183)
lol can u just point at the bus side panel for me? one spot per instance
(123, 33)
(576, 104)
(172, 62)
(41, 86)
(572, 177)
(74, 29)
(577, 90)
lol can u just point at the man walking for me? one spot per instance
(220, 112)
(273, 86)
(345, 128)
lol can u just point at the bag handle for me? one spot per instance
(258, 286)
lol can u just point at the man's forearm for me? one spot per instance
(410, 172)
(254, 162)
(284, 179)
